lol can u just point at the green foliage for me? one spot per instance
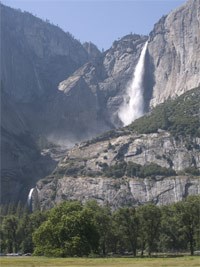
(128, 228)
(74, 229)
(103, 222)
(179, 116)
(9, 231)
(192, 170)
(150, 221)
(118, 170)
(132, 169)
(17, 226)
(171, 237)
(155, 169)
(188, 216)
(72, 168)
(68, 231)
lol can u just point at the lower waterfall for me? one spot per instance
(30, 197)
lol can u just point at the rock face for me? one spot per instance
(35, 55)
(115, 192)
(171, 64)
(106, 78)
(21, 162)
(130, 167)
(92, 50)
(92, 84)
(79, 174)
(160, 148)
(63, 90)
(174, 49)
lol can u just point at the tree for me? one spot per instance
(149, 225)
(27, 225)
(128, 226)
(68, 231)
(9, 227)
(103, 222)
(171, 237)
(188, 215)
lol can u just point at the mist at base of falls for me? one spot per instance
(133, 103)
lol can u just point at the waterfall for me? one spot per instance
(133, 104)
(30, 197)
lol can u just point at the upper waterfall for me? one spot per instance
(133, 104)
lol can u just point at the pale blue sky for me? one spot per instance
(99, 21)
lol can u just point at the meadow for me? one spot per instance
(185, 261)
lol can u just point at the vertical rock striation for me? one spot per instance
(174, 49)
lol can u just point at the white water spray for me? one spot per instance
(133, 104)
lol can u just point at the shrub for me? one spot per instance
(153, 169)
(133, 169)
(192, 170)
(118, 170)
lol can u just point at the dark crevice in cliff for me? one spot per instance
(149, 81)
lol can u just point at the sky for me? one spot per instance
(99, 21)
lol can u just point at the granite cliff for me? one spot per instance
(104, 78)
(171, 63)
(174, 49)
(35, 55)
(130, 167)
(116, 193)
(69, 91)
(65, 91)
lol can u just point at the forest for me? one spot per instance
(76, 229)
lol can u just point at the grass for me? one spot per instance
(102, 262)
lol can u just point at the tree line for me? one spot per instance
(75, 229)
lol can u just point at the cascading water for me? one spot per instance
(30, 197)
(133, 104)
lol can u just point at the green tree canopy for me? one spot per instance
(68, 231)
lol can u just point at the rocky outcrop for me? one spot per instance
(80, 175)
(115, 192)
(174, 49)
(92, 50)
(160, 148)
(48, 56)
(37, 56)
(133, 165)
(67, 92)
(107, 78)
(171, 64)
